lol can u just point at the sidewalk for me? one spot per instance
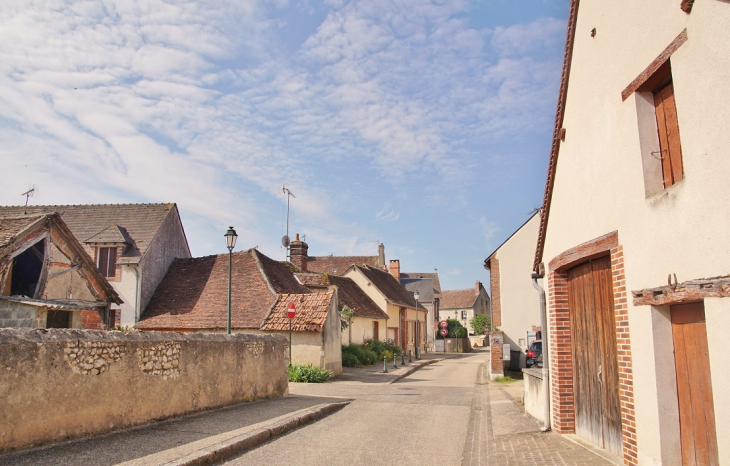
(205, 437)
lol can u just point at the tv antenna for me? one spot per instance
(285, 241)
(28, 194)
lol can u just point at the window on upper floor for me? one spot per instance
(107, 262)
(463, 315)
(656, 109)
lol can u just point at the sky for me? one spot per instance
(421, 124)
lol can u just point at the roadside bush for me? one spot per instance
(308, 373)
(370, 357)
(349, 360)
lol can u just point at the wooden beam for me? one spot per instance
(686, 292)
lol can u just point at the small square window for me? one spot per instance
(108, 262)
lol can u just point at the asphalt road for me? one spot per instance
(423, 419)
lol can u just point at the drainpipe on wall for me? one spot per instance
(137, 314)
(545, 360)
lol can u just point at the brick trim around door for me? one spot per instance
(561, 361)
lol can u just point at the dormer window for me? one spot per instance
(107, 261)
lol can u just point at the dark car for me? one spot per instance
(533, 352)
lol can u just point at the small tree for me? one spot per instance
(480, 323)
(346, 316)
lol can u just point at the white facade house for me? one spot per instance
(633, 240)
(515, 302)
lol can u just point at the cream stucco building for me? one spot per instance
(515, 302)
(634, 238)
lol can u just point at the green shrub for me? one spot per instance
(308, 373)
(370, 357)
(388, 354)
(350, 360)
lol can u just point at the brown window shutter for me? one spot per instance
(669, 142)
(103, 260)
(112, 262)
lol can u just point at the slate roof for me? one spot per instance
(338, 264)
(311, 312)
(194, 293)
(389, 286)
(424, 286)
(110, 234)
(140, 221)
(415, 275)
(458, 299)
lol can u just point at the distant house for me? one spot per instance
(193, 297)
(399, 304)
(515, 303)
(132, 245)
(429, 289)
(463, 305)
(331, 265)
(369, 321)
(46, 278)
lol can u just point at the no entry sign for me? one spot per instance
(290, 310)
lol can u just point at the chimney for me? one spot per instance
(381, 256)
(478, 285)
(395, 269)
(298, 253)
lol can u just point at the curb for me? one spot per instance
(236, 445)
(412, 370)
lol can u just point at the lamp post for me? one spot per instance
(230, 244)
(416, 295)
(456, 318)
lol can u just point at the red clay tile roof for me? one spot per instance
(141, 221)
(458, 299)
(194, 293)
(313, 279)
(338, 264)
(12, 227)
(352, 296)
(389, 286)
(555, 147)
(348, 294)
(311, 312)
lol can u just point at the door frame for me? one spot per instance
(560, 340)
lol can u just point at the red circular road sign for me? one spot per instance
(443, 324)
(443, 332)
(290, 310)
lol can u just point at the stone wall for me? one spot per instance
(64, 383)
(17, 315)
(534, 393)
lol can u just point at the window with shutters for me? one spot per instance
(659, 135)
(107, 261)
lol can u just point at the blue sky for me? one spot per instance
(421, 124)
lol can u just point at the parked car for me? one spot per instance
(533, 352)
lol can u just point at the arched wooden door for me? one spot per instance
(595, 366)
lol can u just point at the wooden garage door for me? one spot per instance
(694, 386)
(595, 367)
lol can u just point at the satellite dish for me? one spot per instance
(285, 241)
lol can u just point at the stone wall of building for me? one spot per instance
(59, 384)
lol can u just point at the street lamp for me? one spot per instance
(230, 244)
(416, 295)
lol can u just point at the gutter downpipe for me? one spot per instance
(545, 360)
(136, 293)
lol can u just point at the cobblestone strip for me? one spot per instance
(479, 432)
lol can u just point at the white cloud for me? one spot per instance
(196, 102)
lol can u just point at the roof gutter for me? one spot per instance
(557, 130)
